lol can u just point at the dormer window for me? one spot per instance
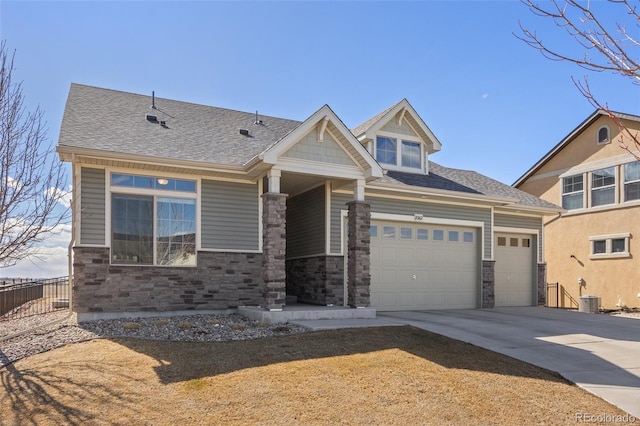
(603, 135)
(399, 153)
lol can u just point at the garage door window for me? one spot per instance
(454, 236)
(513, 242)
(438, 234)
(388, 232)
(373, 230)
(502, 241)
(467, 237)
(422, 234)
(526, 242)
(406, 233)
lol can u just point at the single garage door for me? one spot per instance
(514, 270)
(422, 266)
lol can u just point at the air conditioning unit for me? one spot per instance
(589, 304)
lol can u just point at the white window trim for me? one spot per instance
(584, 191)
(615, 186)
(398, 165)
(154, 193)
(608, 253)
(623, 184)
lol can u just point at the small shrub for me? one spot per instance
(161, 321)
(239, 326)
(281, 329)
(131, 326)
(185, 325)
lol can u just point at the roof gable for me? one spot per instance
(325, 125)
(567, 140)
(401, 118)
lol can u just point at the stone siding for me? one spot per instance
(274, 246)
(358, 259)
(488, 284)
(318, 280)
(220, 281)
(542, 284)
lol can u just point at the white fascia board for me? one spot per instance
(65, 152)
(486, 199)
(519, 208)
(272, 155)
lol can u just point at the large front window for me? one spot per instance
(603, 186)
(155, 229)
(572, 192)
(632, 181)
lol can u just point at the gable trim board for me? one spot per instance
(244, 228)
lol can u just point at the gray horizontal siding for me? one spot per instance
(92, 206)
(404, 207)
(306, 223)
(229, 216)
(524, 222)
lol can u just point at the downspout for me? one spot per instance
(73, 230)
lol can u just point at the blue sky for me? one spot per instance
(496, 105)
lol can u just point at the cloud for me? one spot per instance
(485, 95)
(63, 197)
(51, 260)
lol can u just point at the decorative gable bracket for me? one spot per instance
(322, 128)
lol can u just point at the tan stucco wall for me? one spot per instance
(605, 278)
(569, 234)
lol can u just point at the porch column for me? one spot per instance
(274, 206)
(358, 267)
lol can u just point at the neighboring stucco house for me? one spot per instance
(592, 248)
(184, 207)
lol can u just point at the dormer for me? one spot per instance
(399, 139)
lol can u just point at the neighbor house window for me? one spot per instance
(398, 152)
(572, 192)
(153, 220)
(603, 134)
(608, 246)
(632, 181)
(603, 186)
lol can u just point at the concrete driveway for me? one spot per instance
(599, 353)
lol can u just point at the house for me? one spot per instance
(590, 248)
(182, 207)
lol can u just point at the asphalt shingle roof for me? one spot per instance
(114, 121)
(465, 181)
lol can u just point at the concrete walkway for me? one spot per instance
(599, 353)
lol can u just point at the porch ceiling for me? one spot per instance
(296, 183)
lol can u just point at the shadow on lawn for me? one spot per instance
(180, 361)
(30, 392)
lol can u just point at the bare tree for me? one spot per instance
(605, 46)
(31, 176)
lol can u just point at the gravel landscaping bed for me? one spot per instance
(193, 328)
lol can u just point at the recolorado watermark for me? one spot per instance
(605, 418)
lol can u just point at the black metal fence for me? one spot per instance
(22, 298)
(559, 297)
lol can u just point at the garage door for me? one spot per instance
(419, 266)
(513, 270)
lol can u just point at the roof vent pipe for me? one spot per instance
(153, 100)
(258, 121)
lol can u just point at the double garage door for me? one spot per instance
(418, 266)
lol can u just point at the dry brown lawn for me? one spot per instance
(392, 375)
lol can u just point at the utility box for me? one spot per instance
(589, 304)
